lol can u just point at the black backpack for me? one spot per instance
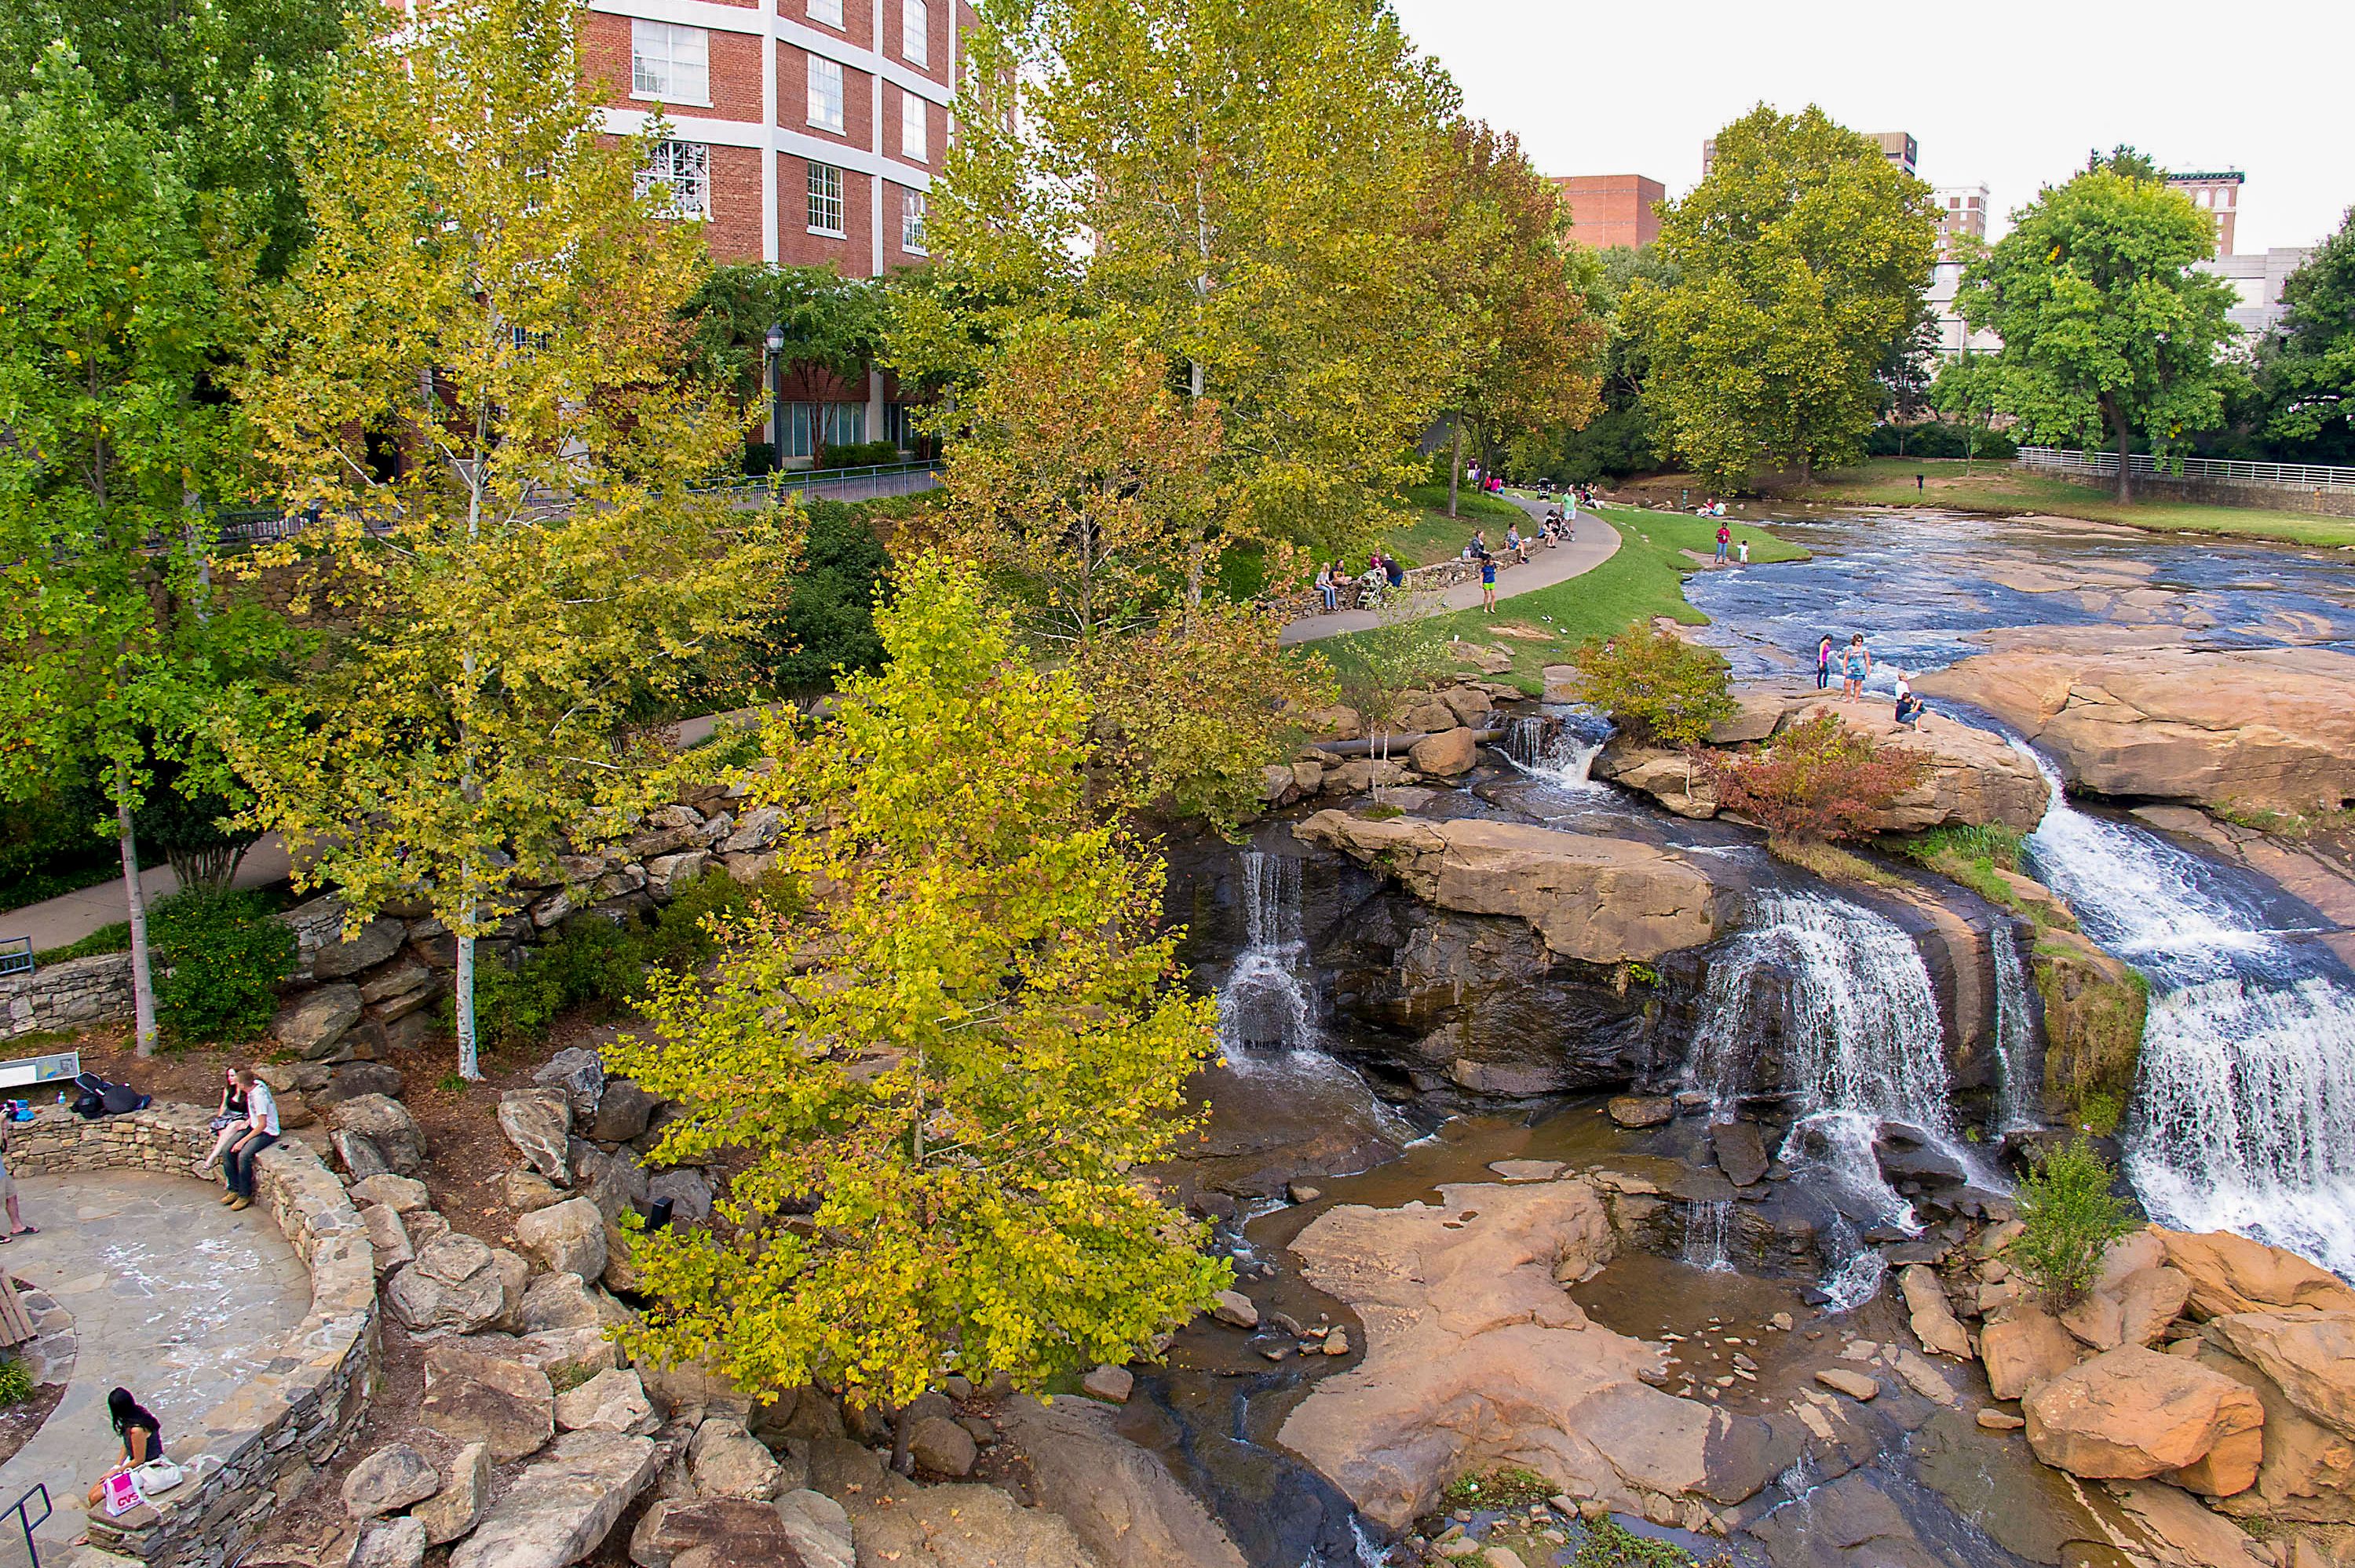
(99, 1097)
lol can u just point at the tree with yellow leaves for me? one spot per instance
(469, 380)
(937, 1077)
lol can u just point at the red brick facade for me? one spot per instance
(1611, 209)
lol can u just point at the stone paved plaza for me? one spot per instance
(172, 1297)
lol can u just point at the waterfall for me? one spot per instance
(1266, 1005)
(1862, 1043)
(2015, 1034)
(2244, 1115)
(1705, 1222)
(1549, 750)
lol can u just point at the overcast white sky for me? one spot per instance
(2002, 91)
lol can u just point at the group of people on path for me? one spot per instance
(1383, 570)
(1853, 664)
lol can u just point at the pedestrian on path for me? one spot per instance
(1724, 537)
(1856, 666)
(1488, 584)
(17, 1225)
(262, 1125)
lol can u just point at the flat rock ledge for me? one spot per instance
(1598, 900)
(262, 1442)
(1477, 1357)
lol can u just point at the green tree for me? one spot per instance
(1968, 391)
(2306, 367)
(826, 319)
(233, 83)
(487, 292)
(936, 1127)
(2072, 1217)
(1253, 190)
(2106, 323)
(1531, 347)
(1618, 441)
(1666, 691)
(119, 654)
(1801, 259)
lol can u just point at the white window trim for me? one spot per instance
(921, 246)
(841, 198)
(921, 153)
(704, 101)
(838, 125)
(812, 10)
(921, 55)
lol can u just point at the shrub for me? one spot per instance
(1660, 687)
(1607, 1543)
(514, 1003)
(679, 938)
(858, 454)
(2072, 1217)
(219, 955)
(16, 1383)
(1818, 780)
(1498, 1489)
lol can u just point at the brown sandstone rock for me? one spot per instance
(2022, 1350)
(2307, 1471)
(2133, 1412)
(2311, 1356)
(2233, 1274)
(1445, 755)
(1603, 900)
(1934, 1320)
(1120, 1498)
(470, 1397)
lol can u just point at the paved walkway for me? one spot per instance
(172, 1296)
(1597, 541)
(69, 917)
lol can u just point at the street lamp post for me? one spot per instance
(776, 343)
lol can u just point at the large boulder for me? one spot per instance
(726, 1461)
(453, 1510)
(2310, 1356)
(470, 1397)
(403, 1195)
(1934, 1320)
(942, 1447)
(1599, 899)
(559, 1510)
(1476, 1358)
(390, 1543)
(623, 1112)
(2268, 727)
(2135, 1310)
(558, 1302)
(2231, 1273)
(386, 1123)
(392, 1478)
(315, 1023)
(1120, 1498)
(962, 1527)
(2133, 1412)
(387, 1235)
(715, 1532)
(2307, 1471)
(375, 942)
(579, 1072)
(1445, 754)
(538, 1122)
(564, 1238)
(2024, 1348)
(455, 1286)
(613, 1400)
(1970, 776)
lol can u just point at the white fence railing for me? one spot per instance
(2213, 471)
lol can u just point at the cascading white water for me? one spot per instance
(1552, 751)
(2015, 1034)
(2243, 1116)
(1266, 1009)
(1862, 1041)
(1707, 1221)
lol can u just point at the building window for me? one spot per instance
(912, 127)
(826, 11)
(825, 199)
(916, 32)
(824, 93)
(678, 176)
(669, 62)
(810, 426)
(912, 221)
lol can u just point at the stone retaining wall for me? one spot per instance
(253, 1451)
(71, 995)
(2269, 497)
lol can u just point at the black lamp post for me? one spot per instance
(776, 342)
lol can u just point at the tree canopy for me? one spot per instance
(939, 1123)
(2306, 367)
(2106, 324)
(1800, 260)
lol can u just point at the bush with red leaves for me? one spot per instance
(1816, 780)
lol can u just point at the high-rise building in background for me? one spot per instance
(805, 133)
(1898, 147)
(2218, 194)
(1611, 209)
(2257, 276)
(1961, 216)
(1962, 211)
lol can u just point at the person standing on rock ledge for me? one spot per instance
(1855, 665)
(1824, 662)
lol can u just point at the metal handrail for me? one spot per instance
(15, 956)
(27, 1523)
(2228, 470)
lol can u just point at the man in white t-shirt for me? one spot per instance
(262, 1121)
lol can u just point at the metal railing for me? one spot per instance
(15, 955)
(27, 1523)
(840, 484)
(2212, 470)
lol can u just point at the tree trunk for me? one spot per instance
(470, 1064)
(901, 1461)
(1455, 468)
(143, 985)
(2126, 471)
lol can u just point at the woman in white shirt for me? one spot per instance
(261, 1124)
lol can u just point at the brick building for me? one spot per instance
(1611, 209)
(2216, 193)
(806, 135)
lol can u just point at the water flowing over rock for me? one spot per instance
(2270, 726)
(1476, 1357)
(1600, 900)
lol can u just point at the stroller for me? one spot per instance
(99, 1097)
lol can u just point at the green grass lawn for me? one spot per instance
(2000, 488)
(1644, 577)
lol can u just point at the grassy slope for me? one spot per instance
(1643, 578)
(2000, 488)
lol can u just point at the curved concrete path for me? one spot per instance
(1596, 543)
(172, 1296)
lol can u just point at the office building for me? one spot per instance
(2219, 195)
(1961, 212)
(1611, 209)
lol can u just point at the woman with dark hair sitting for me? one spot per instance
(142, 1435)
